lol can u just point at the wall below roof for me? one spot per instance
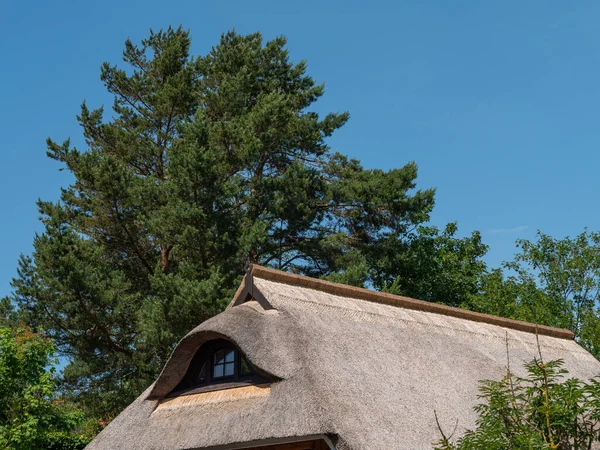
(306, 445)
(311, 443)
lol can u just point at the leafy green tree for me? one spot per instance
(208, 164)
(435, 265)
(428, 264)
(31, 414)
(551, 281)
(542, 411)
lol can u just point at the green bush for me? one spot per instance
(32, 416)
(542, 411)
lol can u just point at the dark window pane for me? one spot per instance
(215, 363)
(219, 357)
(201, 377)
(246, 367)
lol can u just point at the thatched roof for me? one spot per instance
(366, 369)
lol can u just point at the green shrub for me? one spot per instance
(32, 416)
(542, 411)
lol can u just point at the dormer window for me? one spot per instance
(218, 365)
(223, 363)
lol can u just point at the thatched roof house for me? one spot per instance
(296, 363)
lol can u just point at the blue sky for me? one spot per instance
(497, 102)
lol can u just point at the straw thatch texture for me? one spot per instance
(220, 396)
(366, 373)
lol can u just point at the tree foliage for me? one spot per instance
(436, 266)
(31, 414)
(207, 164)
(541, 411)
(554, 282)
(551, 281)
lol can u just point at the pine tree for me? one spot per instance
(207, 164)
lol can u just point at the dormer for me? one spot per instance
(218, 364)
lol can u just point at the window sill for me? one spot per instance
(250, 381)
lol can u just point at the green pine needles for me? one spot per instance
(205, 165)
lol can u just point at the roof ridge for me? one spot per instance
(345, 290)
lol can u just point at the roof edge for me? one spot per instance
(248, 291)
(396, 300)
